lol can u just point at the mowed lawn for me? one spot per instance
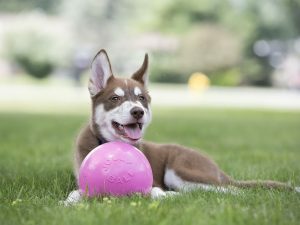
(36, 169)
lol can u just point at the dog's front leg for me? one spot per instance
(159, 193)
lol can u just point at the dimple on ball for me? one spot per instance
(116, 169)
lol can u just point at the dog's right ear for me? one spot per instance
(101, 72)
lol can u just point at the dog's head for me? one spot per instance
(120, 106)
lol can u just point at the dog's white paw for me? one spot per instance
(73, 198)
(158, 193)
(297, 189)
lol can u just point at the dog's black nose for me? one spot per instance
(137, 112)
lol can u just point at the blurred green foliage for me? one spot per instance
(30, 50)
(229, 77)
(242, 23)
(27, 5)
(214, 37)
(36, 48)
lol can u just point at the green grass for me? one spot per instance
(36, 169)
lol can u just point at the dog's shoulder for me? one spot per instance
(86, 140)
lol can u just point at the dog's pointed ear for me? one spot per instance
(141, 75)
(101, 72)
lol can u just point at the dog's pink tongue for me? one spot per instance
(133, 131)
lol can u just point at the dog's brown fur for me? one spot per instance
(189, 165)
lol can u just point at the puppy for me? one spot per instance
(121, 111)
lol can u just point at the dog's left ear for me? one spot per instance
(141, 75)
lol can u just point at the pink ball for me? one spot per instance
(116, 169)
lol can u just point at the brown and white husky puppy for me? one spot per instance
(121, 111)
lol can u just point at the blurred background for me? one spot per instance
(246, 51)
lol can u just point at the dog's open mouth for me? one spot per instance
(132, 131)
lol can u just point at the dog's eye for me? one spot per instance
(115, 98)
(142, 98)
